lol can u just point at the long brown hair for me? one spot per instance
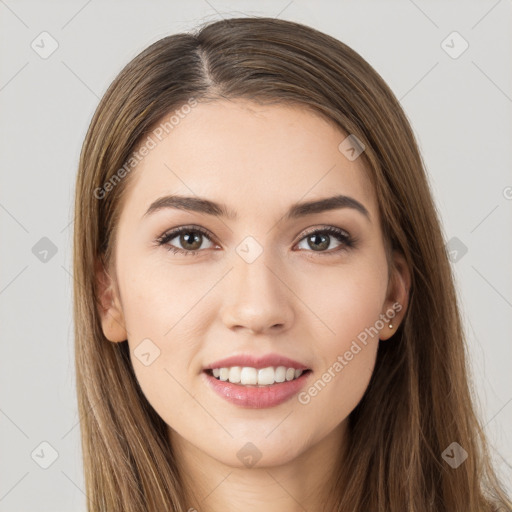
(419, 400)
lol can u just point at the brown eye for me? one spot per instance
(191, 240)
(186, 240)
(320, 240)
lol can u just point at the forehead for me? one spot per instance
(247, 155)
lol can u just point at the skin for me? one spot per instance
(293, 300)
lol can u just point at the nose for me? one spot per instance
(257, 297)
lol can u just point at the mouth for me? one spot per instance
(247, 376)
(256, 388)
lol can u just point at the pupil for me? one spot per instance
(321, 245)
(195, 238)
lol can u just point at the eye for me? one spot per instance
(190, 238)
(320, 239)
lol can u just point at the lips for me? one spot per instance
(256, 397)
(255, 361)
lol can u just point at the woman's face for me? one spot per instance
(259, 288)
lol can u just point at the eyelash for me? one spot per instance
(347, 241)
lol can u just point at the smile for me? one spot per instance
(255, 395)
(249, 376)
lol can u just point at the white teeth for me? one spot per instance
(248, 376)
(251, 376)
(235, 374)
(280, 374)
(266, 376)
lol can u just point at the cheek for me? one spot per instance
(158, 302)
(335, 391)
(343, 301)
(348, 303)
(163, 330)
(348, 359)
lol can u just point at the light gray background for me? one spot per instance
(460, 110)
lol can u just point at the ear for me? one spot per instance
(397, 298)
(109, 306)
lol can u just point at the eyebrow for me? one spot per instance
(297, 210)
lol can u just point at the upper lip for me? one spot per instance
(255, 361)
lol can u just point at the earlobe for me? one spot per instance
(398, 296)
(109, 306)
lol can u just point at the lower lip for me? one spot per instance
(255, 397)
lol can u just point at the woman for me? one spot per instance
(265, 315)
